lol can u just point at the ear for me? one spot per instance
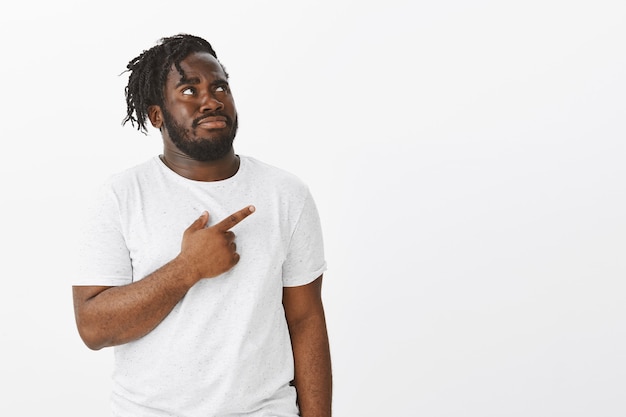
(156, 116)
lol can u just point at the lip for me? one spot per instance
(213, 122)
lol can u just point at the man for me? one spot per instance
(211, 313)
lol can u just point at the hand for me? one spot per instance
(211, 251)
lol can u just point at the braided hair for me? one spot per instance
(149, 71)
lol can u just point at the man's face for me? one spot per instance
(199, 112)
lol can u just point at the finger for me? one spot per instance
(235, 258)
(234, 219)
(229, 236)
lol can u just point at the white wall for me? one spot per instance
(468, 160)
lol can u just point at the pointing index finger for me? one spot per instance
(235, 218)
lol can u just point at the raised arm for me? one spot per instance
(109, 316)
(309, 338)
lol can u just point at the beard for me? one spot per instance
(200, 148)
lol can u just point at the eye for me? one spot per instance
(189, 91)
(221, 89)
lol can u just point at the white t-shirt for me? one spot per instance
(224, 350)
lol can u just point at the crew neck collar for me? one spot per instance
(169, 172)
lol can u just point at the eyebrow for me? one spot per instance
(196, 80)
(185, 80)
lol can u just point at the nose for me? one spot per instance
(210, 103)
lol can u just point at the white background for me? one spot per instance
(467, 158)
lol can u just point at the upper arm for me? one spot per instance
(305, 251)
(303, 301)
(103, 257)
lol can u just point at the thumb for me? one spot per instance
(200, 222)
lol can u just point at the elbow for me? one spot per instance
(90, 336)
(90, 320)
(89, 341)
(93, 344)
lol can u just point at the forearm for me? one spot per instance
(119, 315)
(313, 375)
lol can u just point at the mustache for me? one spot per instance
(199, 120)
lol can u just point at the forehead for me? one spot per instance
(198, 66)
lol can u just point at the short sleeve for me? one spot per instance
(305, 257)
(103, 257)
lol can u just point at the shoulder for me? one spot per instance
(132, 176)
(139, 170)
(276, 185)
(273, 175)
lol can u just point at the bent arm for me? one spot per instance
(109, 316)
(309, 338)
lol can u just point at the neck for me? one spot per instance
(192, 169)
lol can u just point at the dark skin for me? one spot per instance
(110, 316)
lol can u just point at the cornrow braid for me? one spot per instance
(148, 74)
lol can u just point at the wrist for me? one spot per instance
(186, 270)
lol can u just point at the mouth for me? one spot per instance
(212, 122)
